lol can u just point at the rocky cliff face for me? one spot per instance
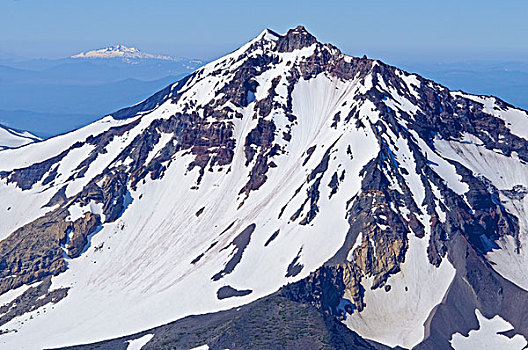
(383, 200)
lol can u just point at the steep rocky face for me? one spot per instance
(375, 196)
(36, 297)
(295, 39)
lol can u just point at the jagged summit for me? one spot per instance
(295, 39)
(285, 173)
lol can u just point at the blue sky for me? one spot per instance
(443, 30)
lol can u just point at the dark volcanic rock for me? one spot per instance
(229, 292)
(295, 267)
(33, 251)
(475, 286)
(272, 237)
(295, 39)
(25, 178)
(240, 242)
(79, 231)
(260, 140)
(273, 322)
(32, 299)
(322, 289)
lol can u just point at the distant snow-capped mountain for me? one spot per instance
(125, 53)
(11, 138)
(68, 93)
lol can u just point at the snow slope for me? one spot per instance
(488, 336)
(10, 138)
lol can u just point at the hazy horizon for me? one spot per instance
(486, 30)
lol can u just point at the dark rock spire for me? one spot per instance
(295, 39)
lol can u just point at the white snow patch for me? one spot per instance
(394, 99)
(442, 167)
(137, 344)
(504, 172)
(36, 152)
(488, 337)
(357, 243)
(165, 138)
(76, 211)
(201, 347)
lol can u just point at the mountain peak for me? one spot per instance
(121, 51)
(267, 35)
(296, 38)
(299, 29)
(375, 197)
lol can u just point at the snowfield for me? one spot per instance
(10, 138)
(489, 336)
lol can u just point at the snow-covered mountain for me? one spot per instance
(330, 200)
(11, 138)
(129, 54)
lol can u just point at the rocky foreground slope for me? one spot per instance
(301, 188)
